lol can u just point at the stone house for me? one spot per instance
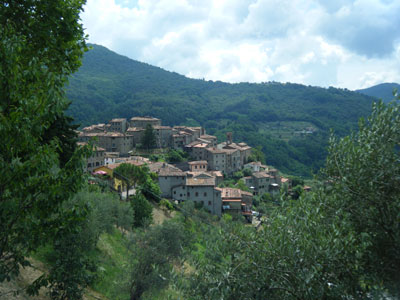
(198, 166)
(236, 201)
(263, 182)
(97, 158)
(163, 136)
(224, 160)
(141, 122)
(118, 125)
(116, 142)
(216, 159)
(197, 149)
(211, 139)
(254, 166)
(243, 148)
(136, 133)
(110, 141)
(95, 128)
(168, 177)
(181, 139)
(200, 189)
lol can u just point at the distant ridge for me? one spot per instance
(289, 122)
(382, 91)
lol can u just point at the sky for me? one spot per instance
(341, 43)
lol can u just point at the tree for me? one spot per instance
(175, 156)
(131, 175)
(363, 170)
(153, 254)
(142, 210)
(149, 138)
(41, 44)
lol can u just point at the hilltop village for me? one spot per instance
(196, 180)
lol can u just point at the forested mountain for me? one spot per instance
(382, 91)
(291, 122)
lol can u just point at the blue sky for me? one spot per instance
(341, 43)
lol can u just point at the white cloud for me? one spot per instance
(340, 43)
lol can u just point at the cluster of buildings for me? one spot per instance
(122, 136)
(119, 137)
(196, 180)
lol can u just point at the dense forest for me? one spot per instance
(274, 116)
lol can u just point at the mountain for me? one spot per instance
(382, 91)
(289, 122)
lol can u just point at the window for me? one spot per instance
(188, 194)
(97, 163)
(205, 194)
(209, 202)
(89, 165)
(180, 195)
(174, 192)
(197, 194)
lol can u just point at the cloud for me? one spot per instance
(367, 27)
(313, 42)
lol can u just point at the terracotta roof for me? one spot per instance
(231, 193)
(192, 144)
(118, 120)
(207, 136)
(200, 181)
(198, 162)
(216, 173)
(262, 175)
(216, 151)
(144, 119)
(164, 169)
(132, 129)
(91, 134)
(201, 146)
(114, 134)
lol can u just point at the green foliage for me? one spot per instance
(364, 170)
(176, 156)
(154, 251)
(167, 204)
(247, 172)
(131, 175)
(242, 186)
(237, 175)
(142, 210)
(149, 138)
(257, 155)
(41, 43)
(297, 191)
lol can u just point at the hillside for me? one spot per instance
(382, 91)
(275, 116)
